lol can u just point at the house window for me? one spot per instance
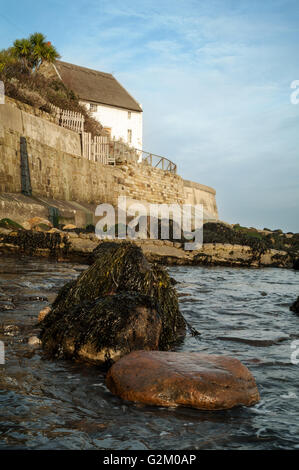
(93, 107)
(129, 136)
(129, 114)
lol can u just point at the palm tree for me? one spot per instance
(22, 50)
(34, 51)
(42, 50)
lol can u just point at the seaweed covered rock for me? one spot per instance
(295, 306)
(40, 243)
(260, 241)
(119, 304)
(223, 233)
(203, 381)
(104, 329)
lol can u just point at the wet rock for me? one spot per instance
(295, 306)
(156, 251)
(43, 313)
(54, 230)
(4, 306)
(4, 231)
(10, 330)
(103, 330)
(32, 242)
(29, 354)
(82, 246)
(5, 298)
(33, 298)
(41, 228)
(26, 225)
(69, 227)
(73, 235)
(261, 247)
(119, 304)
(39, 222)
(225, 254)
(34, 341)
(206, 382)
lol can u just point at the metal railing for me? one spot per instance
(102, 149)
(157, 161)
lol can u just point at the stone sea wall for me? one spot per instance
(58, 171)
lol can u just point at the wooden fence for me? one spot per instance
(97, 149)
(86, 145)
(102, 149)
(69, 119)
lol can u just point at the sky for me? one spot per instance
(214, 80)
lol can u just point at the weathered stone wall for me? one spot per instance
(196, 193)
(58, 171)
(60, 175)
(145, 183)
(29, 109)
(37, 128)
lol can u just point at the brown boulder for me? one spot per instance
(206, 382)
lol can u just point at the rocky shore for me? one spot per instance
(224, 245)
(122, 313)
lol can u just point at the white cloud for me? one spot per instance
(214, 84)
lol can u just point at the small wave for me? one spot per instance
(289, 395)
(254, 341)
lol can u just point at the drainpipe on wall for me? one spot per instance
(26, 188)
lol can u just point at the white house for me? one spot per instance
(118, 112)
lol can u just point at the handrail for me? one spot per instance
(163, 162)
(98, 150)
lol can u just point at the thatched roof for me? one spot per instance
(96, 87)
